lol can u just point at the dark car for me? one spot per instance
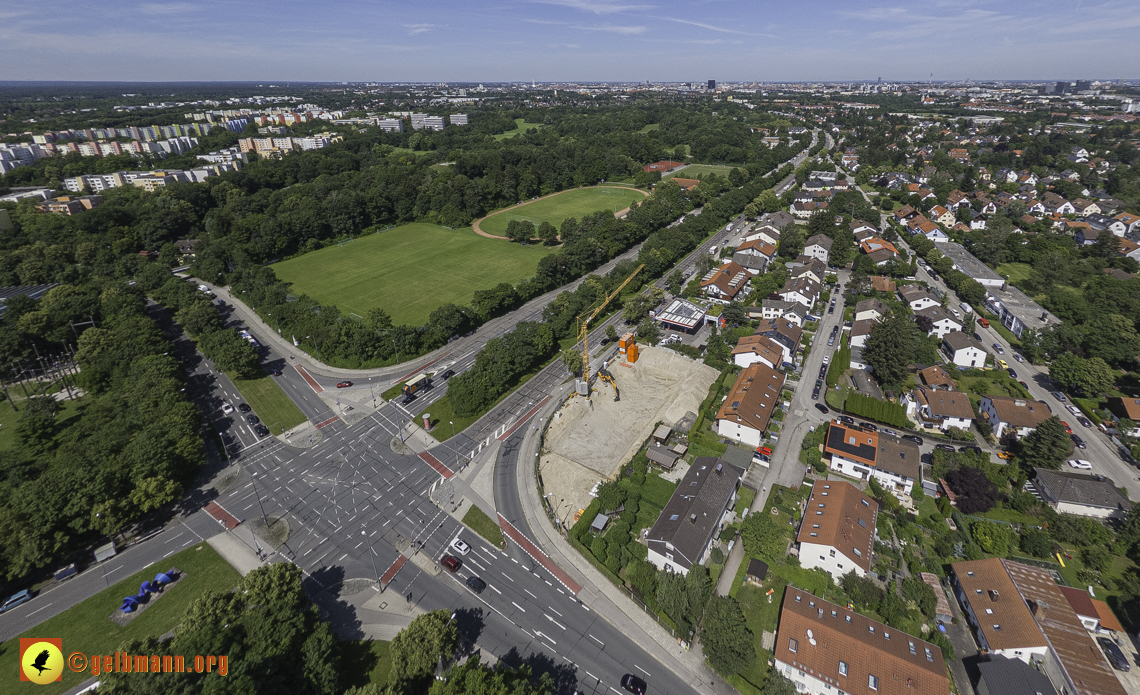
(276, 372)
(252, 419)
(944, 447)
(451, 562)
(1012, 374)
(343, 384)
(408, 398)
(633, 684)
(822, 408)
(975, 449)
(261, 430)
(1115, 655)
(244, 407)
(913, 438)
(815, 394)
(1078, 441)
(476, 584)
(847, 419)
(1023, 384)
(447, 375)
(869, 427)
(1085, 422)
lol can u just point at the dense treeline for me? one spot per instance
(130, 450)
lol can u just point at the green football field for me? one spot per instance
(408, 271)
(576, 202)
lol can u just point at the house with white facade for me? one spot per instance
(858, 453)
(1081, 494)
(942, 321)
(943, 409)
(757, 348)
(725, 283)
(918, 297)
(818, 246)
(861, 332)
(999, 618)
(747, 409)
(1017, 415)
(801, 290)
(683, 532)
(837, 532)
(963, 350)
(871, 309)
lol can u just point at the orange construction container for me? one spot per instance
(632, 353)
(625, 341)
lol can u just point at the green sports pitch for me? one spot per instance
(576, 202)
(409, 270)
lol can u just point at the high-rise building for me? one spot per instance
(458, 119)
(712, 85)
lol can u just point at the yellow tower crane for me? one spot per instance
(584, 328)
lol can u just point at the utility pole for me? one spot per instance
(372, 553)
(253, 481)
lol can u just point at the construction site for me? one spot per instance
(589, 440)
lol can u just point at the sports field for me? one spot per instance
(576, 202)
(408, 271)
(691, 171)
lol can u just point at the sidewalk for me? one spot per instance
(598, 593)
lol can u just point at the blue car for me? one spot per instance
(16, 600)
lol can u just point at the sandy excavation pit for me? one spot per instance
(586, 444)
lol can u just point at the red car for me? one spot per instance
(344, 384)
(764, 450)
(1067, 428)
(451, 562)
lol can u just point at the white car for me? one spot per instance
(1081, 464)
(1073, 409)
(227, 408)
(460, 546)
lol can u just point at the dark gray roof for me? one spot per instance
(747, 260)
(757, 568)
(957, 340)
(661, 455)
(691, 516)
(1077, 488)
(1003, 676)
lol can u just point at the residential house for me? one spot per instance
(1127, 409)
(876, 243)
(1019, 612)
(944, 409)
(784, 332)
(753, 264)
(725, 283)
(802, 290)
(818, 246)
(1056, 204)
(686, 526)
(794, 312)
(837, 532)
(905, 213)
(746, 411)
(1102, 223)
(942, 216)
(938, 378)
(1002, 676)
(1084, 207)
(824, 648)
(808, 267)
(963, 350)
(778, 220)
(757, 348)
(1129, 248)
(765, 234)
(1080, 494)
(880, 283)
(857, 453)
(1082, 233)
(861, 332)
(943, 321)
(70, 205)
(918, 297)
(860, 226)
(1131, 222)
(1094, 614)
(1017, 415)
(804, 210)
(923, 226)
(755, 246)
(956, 199)
(871, 309)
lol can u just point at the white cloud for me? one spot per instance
(613, 28)
(414, 29)
(710, 27)
(160, 8)
(596, 7)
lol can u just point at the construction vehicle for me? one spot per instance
(420, 382)
(583, 386)
(604, 375)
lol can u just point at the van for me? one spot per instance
(966, 308)
(713, 250)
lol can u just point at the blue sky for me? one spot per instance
(481, 40)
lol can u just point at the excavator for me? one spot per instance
(605, 375)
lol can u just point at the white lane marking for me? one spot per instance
(37, 610)
(506, 575)
(170, 539)
(519, 607)
(555, 612)
(642, 670)
(598, 641)
(531, 595)
(492, 587)
(554, 621)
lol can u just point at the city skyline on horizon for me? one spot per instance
(568, 41)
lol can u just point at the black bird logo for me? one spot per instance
(41, 659)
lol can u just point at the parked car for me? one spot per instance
(1002, 364)
(1024, 384)
(999, 349)
(1067, 428)
(767, 451)
(1081, 464)
(1085, 422)
(815, 394)
(633, 684)
(984, 323)
(1058, 395)
(1078, 441)
(1012, 374)
(1005, 456)
(476, 584)
(847, 419)
(344, 384)
(822, 408)
(460, 546)
(451, 562)
(252, 419)
(227, 408)
(1115, 656)
(447, 375)
(261, 430)
(944, 447)
(276, 372)
(975, 449)
(869, 427)
(17, 599)
(244, 407)
(913, 438)
(1073, 409)
(1017, 356)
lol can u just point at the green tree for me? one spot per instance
(993, 538)
(1047, 446)
(611, 332)
(862, 591)
(1096, 557)
(890, 349)
(417, 649)
(499, 679)
(762, 537)
(675, 282)
(777, 684)
(548, 233)
(573, 360)
(735, 314)
(725, 638)
(1036, 542)
(1113, 338)
(649, 330)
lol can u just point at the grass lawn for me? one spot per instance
(657, 490)
(521, 126)
(575, 202)
(10, 418)
(482, 524)
(366, 661)
(87, 627)
(1011, 515)
(747, 494)
(408, 270)
(702, 170)
(651, 126)
(270, 403)
(1015, 271)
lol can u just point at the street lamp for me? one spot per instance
(373, 391)
(452, 427)
(253, 481)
